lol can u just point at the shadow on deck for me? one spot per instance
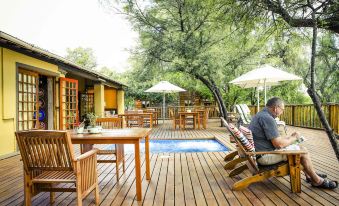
(188, 178)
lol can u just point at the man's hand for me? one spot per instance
(281, 142)
(296, 135)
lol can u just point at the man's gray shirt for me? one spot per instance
(264, 128)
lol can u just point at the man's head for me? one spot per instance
(276, 106)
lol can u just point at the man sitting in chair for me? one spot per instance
(267, 138)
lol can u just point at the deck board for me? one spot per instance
(187, 178)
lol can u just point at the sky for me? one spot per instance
(55, 25)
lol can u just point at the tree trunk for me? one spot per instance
(329, 131)
(216, 93)
(314, 96)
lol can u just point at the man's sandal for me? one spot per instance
(327, 184)
(308, 179)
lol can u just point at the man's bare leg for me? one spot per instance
(306, 162)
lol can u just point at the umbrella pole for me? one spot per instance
(163, 108)
(265, 90)
(258, 100)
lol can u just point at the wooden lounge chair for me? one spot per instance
(118, 152)
(245, 116)
(259, 173)
(48, 159)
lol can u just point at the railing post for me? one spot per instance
(293, 115)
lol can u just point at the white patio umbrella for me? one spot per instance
(265, 75)
(164, 87)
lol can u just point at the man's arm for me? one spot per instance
(281, 142)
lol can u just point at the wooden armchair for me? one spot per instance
(259, 173)
(203, 117)
(48, 159)
(175, 118)
(118, 152)
(134, 120)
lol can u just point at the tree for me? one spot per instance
(198, 38)
(298, 13)
(328, 68)
(316, 14)
(82, 56)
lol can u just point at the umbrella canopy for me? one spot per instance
(164, 87)
(265, 75)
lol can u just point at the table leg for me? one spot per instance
(151, 121)
(137, 169)
(194, 122)
(148, 175)
(180, 122)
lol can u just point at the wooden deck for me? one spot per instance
(188, 178)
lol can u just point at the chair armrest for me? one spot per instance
(86, 171)
(87, 154)
(283, 152)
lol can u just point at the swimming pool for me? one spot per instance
(159, 146)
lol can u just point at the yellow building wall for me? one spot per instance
(110, 98)
(8, 60)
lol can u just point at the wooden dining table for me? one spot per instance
(121, 136)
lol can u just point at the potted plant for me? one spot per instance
(93, 128)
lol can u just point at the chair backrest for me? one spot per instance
(110, 123)
(247, 112)
(46, 150)
(243, 146)
(243, 113)
(173, 114)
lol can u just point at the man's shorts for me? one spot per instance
(271, 159)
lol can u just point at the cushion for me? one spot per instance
(249, 147)
(247, 133)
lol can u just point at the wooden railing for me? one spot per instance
(306, 115)
(213, 110)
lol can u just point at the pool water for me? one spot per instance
(159, 146)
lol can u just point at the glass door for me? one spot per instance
(28, 107)
(69, 116)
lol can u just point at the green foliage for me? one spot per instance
(82, 56)
(327, 67)
(92, 119)
(218, 40)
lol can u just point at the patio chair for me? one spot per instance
(118, 151)
(48, 160)
(175, 118)
(245, 116)
(260, 173)
(203, 116)
(134, 121)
